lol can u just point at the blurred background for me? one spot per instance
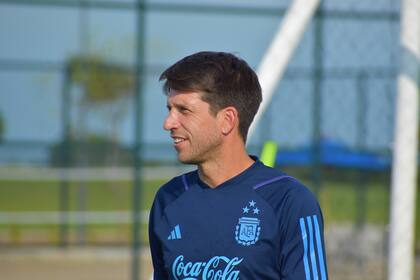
(81, 112)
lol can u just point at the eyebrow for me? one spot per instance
(178, 106)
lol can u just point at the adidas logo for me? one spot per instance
(175, 233)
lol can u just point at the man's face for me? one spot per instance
(195, 131)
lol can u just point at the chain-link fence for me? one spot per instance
(78, 77)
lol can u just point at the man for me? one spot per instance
(232, 218)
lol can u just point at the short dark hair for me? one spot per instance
(223, 79)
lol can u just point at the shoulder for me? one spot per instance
(282, 191)
(291, 202)
(171, 190)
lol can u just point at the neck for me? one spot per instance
(224, 166)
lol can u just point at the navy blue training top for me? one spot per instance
(261, 224)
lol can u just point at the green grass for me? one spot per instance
(22, 196)
(340, 201)
(100, 196)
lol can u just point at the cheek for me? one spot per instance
(201, 125)
(212, 131)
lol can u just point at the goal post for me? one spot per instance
(280, 51)
(404, 168)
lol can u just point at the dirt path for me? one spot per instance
(70, 264)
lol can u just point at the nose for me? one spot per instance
(170, 122)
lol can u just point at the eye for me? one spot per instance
(184, 110)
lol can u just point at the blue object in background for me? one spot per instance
(335, 154)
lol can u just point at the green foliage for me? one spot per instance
(102, 81)
(105, 87)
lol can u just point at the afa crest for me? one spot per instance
(248, 228)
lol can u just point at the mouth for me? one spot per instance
(178, 140)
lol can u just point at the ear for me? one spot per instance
(228, 119)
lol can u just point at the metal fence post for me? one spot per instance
(64, 149)
(361, 185)
(139, 85)
(317, 102)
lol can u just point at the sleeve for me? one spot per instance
(302, 255)
(155, 245)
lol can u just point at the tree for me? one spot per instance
(102, 81)
(106, 89)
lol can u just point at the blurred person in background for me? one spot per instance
(233, 217)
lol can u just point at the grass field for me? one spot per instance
(99, 195)
(39, 196)
(341, 201)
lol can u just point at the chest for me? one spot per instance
(207, 235)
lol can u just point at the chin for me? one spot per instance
(188, 160)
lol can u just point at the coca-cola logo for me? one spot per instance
(217, 268)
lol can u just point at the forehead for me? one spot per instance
(184, 97)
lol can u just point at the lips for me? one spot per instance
(178, 139)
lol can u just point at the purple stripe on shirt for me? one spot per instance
(271, 181)
(184, 180)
